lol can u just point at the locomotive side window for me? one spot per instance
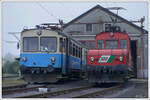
(30, 44)
(111, 44)
(123, 44)
(92, 44)
(48, 44)
(100, 44)
(88, 44)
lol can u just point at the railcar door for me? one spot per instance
(67, 56)
(62, 52)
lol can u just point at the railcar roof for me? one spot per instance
(59, 32)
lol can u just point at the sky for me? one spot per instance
(17, 15)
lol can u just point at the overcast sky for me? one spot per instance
(16, 15)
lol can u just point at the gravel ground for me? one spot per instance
(132, 89)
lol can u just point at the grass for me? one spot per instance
(12, 82)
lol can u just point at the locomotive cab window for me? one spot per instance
(111, 44)
(48, 44)
(123, 44)
(30, 44)
(100, 44)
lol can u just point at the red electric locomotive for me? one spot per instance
(111, 61)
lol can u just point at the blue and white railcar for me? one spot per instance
(48, 54)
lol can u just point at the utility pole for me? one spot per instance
(142, 47)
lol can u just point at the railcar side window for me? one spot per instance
(70, 48)
(73, 49)
(76, 51)
(30, 44)
(111, 44)
(100, 44)
(79, 53)
(48, 44)
(123, 44)
(61, 44)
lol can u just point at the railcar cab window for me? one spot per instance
(123, 44)
(111, 44)
(100, 44)
(30, 44)
(48, 44)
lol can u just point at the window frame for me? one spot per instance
(126, 44)
(48, 37)
(86, 27)
(112, 40)
(28, 50)
(104, 27)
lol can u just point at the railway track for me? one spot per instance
(80, 92)
(97, 93)
(56, 93)
(19, 89)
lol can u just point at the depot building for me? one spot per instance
(99, 19)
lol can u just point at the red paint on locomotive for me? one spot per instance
(117, 52)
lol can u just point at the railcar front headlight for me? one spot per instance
(121, 58)
(53, 59)
(92, 58)
(24, 59)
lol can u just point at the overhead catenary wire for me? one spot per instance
(47, 11)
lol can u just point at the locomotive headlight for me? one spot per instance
(92, 58)
(24, 59)
(121, 58)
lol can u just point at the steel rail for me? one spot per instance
(98, 92)
(24, 89)
(55, 93)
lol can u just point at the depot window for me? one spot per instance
(48, 44)
(88, 27)
(111, 44)
(107, 27)
(30, 44)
